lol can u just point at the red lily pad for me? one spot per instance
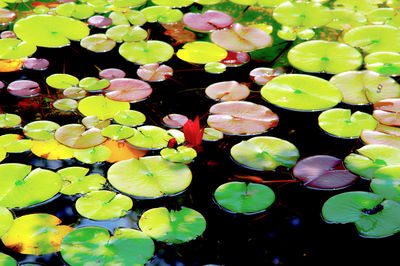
(128, 90)
(263, 75)
(210, 20)
(36, 63)
(154, 72)
(241, 118)
(241, 38)
(323, 172)
(234, 59)
(227, 91)
(99, 21)
(76, 136)
(112, 73)
(175, 120)
(24, 88)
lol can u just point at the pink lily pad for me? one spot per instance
(210, 20)
(112, 73)
(323, 172)
(128, 90)
(8, 34)
(391, 130)
(76, 136)
(175, 120)
(36, 63)
(24, 88)
(234, 59)
(263, 75)
(99, 21)
(377, 137)
(241, 38)
(387, 111)
(241, 118)
(227, 91)
(154, 72)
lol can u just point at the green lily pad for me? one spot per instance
(36, 234)
(21, 187)
(62, 81)
(182, 154)
(386, 63)
(372, 216)
(94, 245)
(371, 158)
(162, 14)
(211, 134)
(103, 205)
(101, 106)
(364, 87)
(149, 177)
(41, 130)
(386, 182)
(172, 226)
(127, 3)
(215, 68)
(98, 43)
(9, 120)
(78, 11)
(117, 132)
(265, 153)
(93, 155)
(76, 136)
(239, 197)
(92, 121)
(50, 31)
(76, 180)
(374, 38)
(362, 6)
(322, 56)
(345, 18)
(65, 104)
(7, 260)
(51, 150)
(301, 92)
(15, 49)
(126, 33)
(129, 118)
(201, 52)
(384, 15)
(146, 52)
(341, 123)
(93, 84)
(178, 135)
(14, 143)
(150, 137)
(6, 220)
(173, 3)
(133, 17)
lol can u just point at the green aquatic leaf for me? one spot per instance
(93, 155)
(101, 106)
(6, 221)
(150, 137)
(14, 143)
(76, 180)
(15, 49)
(182, 154)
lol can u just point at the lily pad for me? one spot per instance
(129, 118)
(76, 136)
(154, 72)
(65, 104)
(323, 172)
(112, 73)
(133, 17)
(386, 111)
(322, 56)
(235, 59)
(386, 63)
(117, 132)
(146, 52)
(378, 137)
(36, 63)
(175, 120)
(181, 154)
(50, 31)
(76, 180)
(150, 137)
(24, 88)
(211, 134)
(93, 155)
(173, 3)
(103, 205)
(343, 19)
(15, 49)
(7, 260)
(227, 91)
(122, 150)
(172, 226)
(208, 21)
(92, 121)
(128, 90)
(385, 16)
(239, 197)
(341, 123)
(162, 14)
(14, 143)
(102, 107)
(7, 16)
(94, 245)
(8, 120)
(62, 81)
(75, 10)
(149, 177)
(200, 52)
(98, 43)
(126, 33)
(51, 150)
(265, 153)
(92, 84)
(74, 93)
(301, 93)
(11, 65)
(373, 216)
(99, 21)
(6, 220)
(263, 75)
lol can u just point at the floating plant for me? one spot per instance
(227, 91)
(15, 49)
(122, 150)
(175, 120)
(128, 90)
(102, 107)
(386, 111)
(117, 132)
(154, 72)
(200, 52)
(129, 118)
(211, 134)
(126, 33)
(181, 154)
(6, 220)
(65, 105)
(92, 121)
(9, 120)
(162, 14)
(14, 143)
(129, 17)
(76, 136)
(386, 63)
(208, 21)
(150, 137)
(51, 150)
(24, 88)
(99, 43)
(61, 81)
(112, 73)
(76, 180)
(7, 260)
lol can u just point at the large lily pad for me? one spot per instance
(102, 107)
(386, 182)
(93, 155)
(149, 177)
(76, 180)
(380, 137)
(146, 52)
(51, 150)
(172, 226)
(265, 153)
(9, 120)
(94, 245)
(21, 187)
(239, 197)
(76, 136)
(201, 52)
(128, 90)
(24, 88)
(150, 137)
(62, 81)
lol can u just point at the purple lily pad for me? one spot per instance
(8, 34)
(210, 20)
(112, 73)
(128, 90)
(99, 21)
(323, 172)
(36, 63)
(24, 88)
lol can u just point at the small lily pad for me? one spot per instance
(263, 75)
(211, 134)
(215, 67)
(201, 52)
(173, 3)
(24, 88)
(14, 143)
(154, 72)
(6, 220)
(92, 121)
(74, 93)
(208, 21)
(386, 111)
(8, 120)
(117, 132)
(51, 150)
(62, 81)
(102, 107)
(172, 226)
(93, 155)
(386, 63)
(128, 90)
(379, 137)
(93, 84)
(78, 11)
(99, 43)
(265, 153)
(146, 52)
(150, 137)
(239, 197)
(386, 182)
(133, 17)
(99, 21)
(126, 33)
(162, 14)
(227, 91)
(175, 120)
(129, 118)
(15, 48)
(112, 73)
(103, 205)
(343, 19)
(65, 104)
(76, 180)
(181, 154)
(76, 136)
(36, 63)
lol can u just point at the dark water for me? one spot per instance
(290, 232)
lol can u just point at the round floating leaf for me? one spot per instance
(386, 16)
(182, 154)
(364, 87)
(92, 121)
(94, 245)
(19, 187)
(99, 21)
(241, 118)
(15, 49)
(117, 132)
(211, 134)
(74, 93)
(162, 14)
(122, 150)
(372, 216)
(239, 197)
(374, 38)
(112, 73)
(93, 84)
(24, 88)
(341, 123)
(76, 181)
(93, 155)
(263, 75)
(128, 90)
(241, 38)
(322, 56)
(11, 65)
(50, 31)
(36, 63)
(133, 17)
(175, 120)
(344, 19)
(6, 220)
(146, 52)
(65, 104)
(386, 182)
(201, 52)
(173, 3)
(103, 205)
(154, 72)
(126, 33)
(150, 137)
(386, 111)
(9, 120)
(208, 21)
(178, 135)
(76, 136)
(51, 150)
(129, 118)
(386, 63)
(377, 137)
(235, 59)
(102, 107)
(62, 81)
(172, 226)
(323, 172)
(98, 43)
(78, 11)
(14, 143)
(265, 153)
(36, 234)
(227, 91)
(371, 158)
(149, 177)
(215, 67)
(301, 92)
(7, 260)
(362, 6)
(127, 3)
